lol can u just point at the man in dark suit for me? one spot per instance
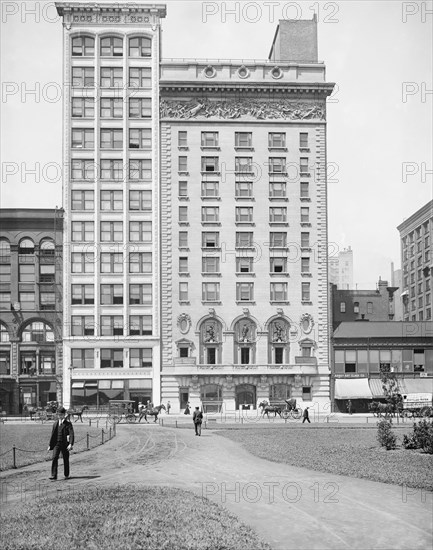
(62, 441)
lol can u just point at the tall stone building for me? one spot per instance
(244, 227)
(341, 269)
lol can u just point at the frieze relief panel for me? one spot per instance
(286, 109)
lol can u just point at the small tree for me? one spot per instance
(390, 387)
(385, 435)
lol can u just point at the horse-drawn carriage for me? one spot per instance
(42, 413)
(286, 409)
(416, 404)
(121, 409)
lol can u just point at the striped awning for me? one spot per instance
(376, 387)
(416, 385)
(352, 388)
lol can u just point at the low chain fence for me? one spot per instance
(17, 457)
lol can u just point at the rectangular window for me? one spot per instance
(305, 215)
(140, 200)
(182, 139)
(140, 47)
(82, 358)
(305, 191)
(210, 189)
(370, 307)
(111, 107)
(140, 138)
(140, 262)
(244, 265)
(305, 265)
(277, 165)
(210, 214)
(244, 214)
(140, 77)
(82, 262)
(278, 239)
(111, 77)
(305, 240)
(140, 232)
(342, 307)
(278, 265)
(82, 169)
(277, 140)
(83, 138)
(140, 294)
(306, 393)
(82, 200)
(210, 239)
(244, 292)
(140, 325)
(82, 295)
(111, 294)
(278, 292)
(111, 231)
(183, 214)
(303, 140)
(111, 325)
(183, 292)
(210, 292)
(183, 164)
(140, 358)
(306, 292)
(209, 164)
(111, 358)
(82, 325)
(243, 139)
(111, 46)
(26, 273)
(183, 189)
(244, 165)
(111, 138)
(209, 139)
(183, 264)
(183, 239)
(83, 77)
(27, 301)
(47, 273)
(210, 264)
(111, 169)
(140, 169)
(111, 200)
(244, 239)
(278, 214)
(83, 232)
(5, 300)
(83, 46)
(303, 165)
(140, 107)
(111, 262)
(244, 189)
(83, 107)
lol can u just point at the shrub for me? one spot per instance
(385, 435)
(421, 437)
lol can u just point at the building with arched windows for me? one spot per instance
(31, 269)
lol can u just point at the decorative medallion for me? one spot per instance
(209, 71)
(276, 73)
(184, 323)
(307, 322)
(243, 72)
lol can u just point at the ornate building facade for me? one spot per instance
(244, 229)
(31, 264)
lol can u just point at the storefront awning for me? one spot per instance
(352, 388)
(376, 388)
(416, 385)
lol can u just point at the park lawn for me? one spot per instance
(348, 451)
(31, 441)
(126, 517)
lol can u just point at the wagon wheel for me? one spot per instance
(131, 418)
(425, 412)
(285, 414)
(297, 413)
(114, 419)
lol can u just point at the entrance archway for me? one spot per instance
(245, 397)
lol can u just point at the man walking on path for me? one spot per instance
(197, 418)
(62, 441)
(305, 416)
(168, 407)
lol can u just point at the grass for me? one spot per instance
(31, 441)
(352, 452)
(151, 518)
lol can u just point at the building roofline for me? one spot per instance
(413, 218)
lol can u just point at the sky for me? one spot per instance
(379, 147)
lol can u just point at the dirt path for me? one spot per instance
(289, 507)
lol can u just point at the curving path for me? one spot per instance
(289, 507)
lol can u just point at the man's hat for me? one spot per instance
(61, 410)
(197, 407)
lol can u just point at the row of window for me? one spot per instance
(111, 77)
(111, 169)
(111, 46)
(111, 262)
(397, 360)
(419, 247)
(27, 273)
(211, 292)
(356, 307)
(243, 214)
(111, 325)
(47, 301)
(243, 189)
(27, 246)
(246, 165)
(111, 231)
(276, 140)
(416, 234)
(423, 285)
(420, 315)
(36, 331)
(111, 294)
(111, 138)
(244, 239)
(111, 107)
(111, 200)
(244, 264)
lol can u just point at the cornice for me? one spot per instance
(317, 88)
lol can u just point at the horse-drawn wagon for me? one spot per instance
(285, 409)
(119, 409)
(416, 404)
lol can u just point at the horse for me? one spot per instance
(151, 412)
(78, 414)
(267, 408)
(379, 409)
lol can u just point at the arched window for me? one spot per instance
(26, 246)
(4, 334)
(245, 342)
(140, 47)
(279, 346)
(211, 396)
(83, 46)
(111, 46)
(210, 342)
(47, 247)
(38, 332)
(279, 392)
(5, 249)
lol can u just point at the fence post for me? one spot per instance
(14, 457)
(110, 433)
(102, 436)
(161, 421)
(114, 428)
(87, 437)
(90, 422)
(176, 423)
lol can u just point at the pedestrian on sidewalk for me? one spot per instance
(168, 407)
(62, 441)
(306, 416)
(197, 418)
(349, 406)
(187, 410)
